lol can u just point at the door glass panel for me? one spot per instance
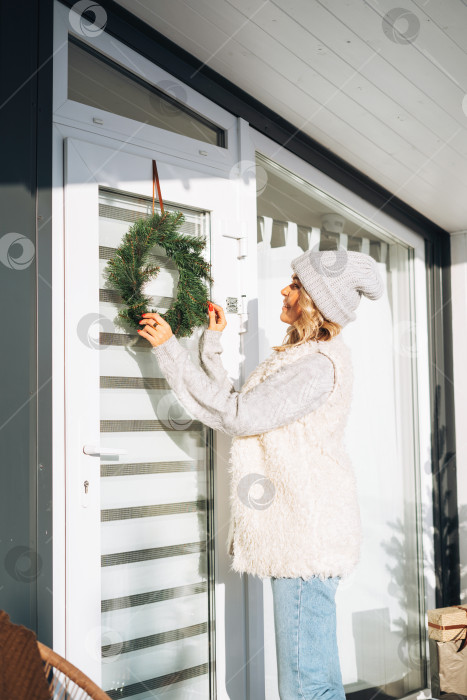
(156, 501)
(381, 630)
(95, 80)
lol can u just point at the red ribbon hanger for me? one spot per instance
(156, 183)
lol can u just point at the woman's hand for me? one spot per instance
(156, 329)
(217, 320)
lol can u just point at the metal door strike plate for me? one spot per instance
(231, 305)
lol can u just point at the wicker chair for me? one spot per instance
(66, 682)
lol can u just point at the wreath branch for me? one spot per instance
(129, 270)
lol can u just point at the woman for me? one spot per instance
(294, 510)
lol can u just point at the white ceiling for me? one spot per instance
(387, 96)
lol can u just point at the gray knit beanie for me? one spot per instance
(336, 280)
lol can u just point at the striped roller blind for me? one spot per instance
(156, 499)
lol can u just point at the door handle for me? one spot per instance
(97, 451)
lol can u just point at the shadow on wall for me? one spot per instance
(391, 653)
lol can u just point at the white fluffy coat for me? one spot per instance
(311, 525)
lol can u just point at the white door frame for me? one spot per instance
(73, 120)
(85, 168)
(71, 113)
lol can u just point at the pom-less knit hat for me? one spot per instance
(336, 280)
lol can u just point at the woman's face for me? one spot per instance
(291, 310)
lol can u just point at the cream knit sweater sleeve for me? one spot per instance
(210, 350)
(207, 394)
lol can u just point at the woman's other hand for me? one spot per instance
(156, 329)
(217, 320)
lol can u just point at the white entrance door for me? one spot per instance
(139, 565)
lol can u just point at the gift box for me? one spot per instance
(448, 668)
(447, 632)
(447, 624)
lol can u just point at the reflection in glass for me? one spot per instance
(381, 632)
(95, 80)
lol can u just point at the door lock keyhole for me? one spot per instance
(86, 486)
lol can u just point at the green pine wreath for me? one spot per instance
(129, 270)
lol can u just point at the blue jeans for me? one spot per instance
(306, 643)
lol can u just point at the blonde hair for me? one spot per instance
(310, 325)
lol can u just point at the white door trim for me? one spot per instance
(71, 113)
(90, 170)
